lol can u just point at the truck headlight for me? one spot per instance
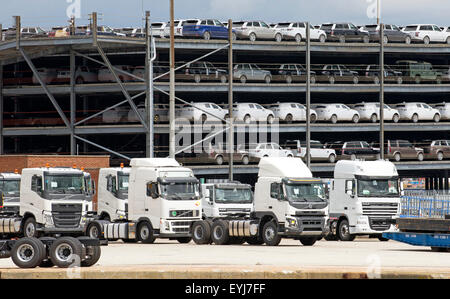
(48, 218)
(291, 222)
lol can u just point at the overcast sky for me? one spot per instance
(46, 13)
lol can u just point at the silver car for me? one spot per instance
(254, 30)
(250, 72)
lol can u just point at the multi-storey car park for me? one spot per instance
(65, 117)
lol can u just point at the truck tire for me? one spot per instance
(184, 240)
(27, 253)
(145, 233)
(46, 260)
(30, 228)
(66, 252)
(219, 232)
(308, 241)
(201, 232)
(344, 231)
(383, 239)
(92, 257)
(254, 240)
(94, 230)
(270, 234)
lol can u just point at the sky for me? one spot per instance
(48, 13)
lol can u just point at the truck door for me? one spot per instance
(276, 204)
(35, 202)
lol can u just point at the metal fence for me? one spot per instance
(425, 204)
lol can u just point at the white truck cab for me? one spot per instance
(113, 193)
(10, 187)
(364, 199)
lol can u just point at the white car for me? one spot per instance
(290, 112)
(193, 114)
(254, 30)
(83, 74)
(178, 27)
(335, 113)
(158, 29)
(262, 150)
(318, 151)
(160, 113)
(248, 112)
(428, 33)
(104, 75)
(444, 110)
(297, 31)
(47, 75)
(371, 111)
(417, 111)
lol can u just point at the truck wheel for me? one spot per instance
(270, 234)
(27, 253)
(94, 230)
(219, 232)
(344, 231)
(145, 233)
(383, 239)
(30, 228)
(66, 251)
(184, 240)
(201, 232)
(308, 241)
(93, 255)
(254, 241)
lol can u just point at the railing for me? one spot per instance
(425, 204)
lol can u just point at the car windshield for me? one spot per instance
(180, 191)
(283, 25)
(10, 187)
(233, 195)
(378, 188)
(64, 184)
(305, 192)
(123, 182)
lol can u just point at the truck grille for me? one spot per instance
(379, 209)
(66, 215)
(181, 226)
(379, 224)
(312, 223)
(183, 213)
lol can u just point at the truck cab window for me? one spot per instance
(152, 189)
(36, 183)
(274, 190)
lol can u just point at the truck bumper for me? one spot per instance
(307, 226)
(373, 225)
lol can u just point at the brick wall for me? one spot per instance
(91, 164)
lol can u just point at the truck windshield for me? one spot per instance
(233, 195)
(65, 184)
(378, 188)
(305, 192)
(123, 182)
(180, 191)
(10, 188)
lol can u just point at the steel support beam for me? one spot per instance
(1, 109)
(102, 147)
(381, 75)
(230, 101)
(172, 83)
(73, 99)
(308, 96)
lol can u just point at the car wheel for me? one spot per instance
(408, 40)
(322, 38)
(243, 79)
(332, 79)
(353, 157)
(426, 40)
(355, 118)
(288, 79)
(270, 119)
(399, 80)
(440, 156)
(448, 40)
(298, 38)
(334, 119)
(417, 79)
(436, 118)
(313, 118)
(366, 39)
(79, 80)
(247, 119)
(374, 118)
(415, 118)
(245, 160)
(342, 39)
(376, 80)
(197, 78)
(396, 118)
(332, 158)
(267, 79)
(252, 37)
(355, 80)
(420, 157)
(219, 160)
(206, 35)
(223, 79)
(397, 157)
(385, 39)
(288, 118)
(278, 37)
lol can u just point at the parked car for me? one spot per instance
(250, 72)
(372, 73)
(344, 32)
(444, 110)
(436, 149)
(335, 113)
(47, 75)
(203, 70)
(60, 31)
(158, 29)
(101, 30)
(193, 114)
(291, 112)
(261, 150)
(402, 150)
(104, 75)
(83, 74)
(125, 30)
(318, 152)
(297, 31)
(371, 112)
(178, 27)
(160, 113)
(391, 34)
(339, 72)
(248, 112)
(293, 73)
(206, 29)
(115, 115)
(218, 154)
(416, 112)
(253, 30)
(418, 71)
(26, 32)
(353, 150)
(428, 33)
